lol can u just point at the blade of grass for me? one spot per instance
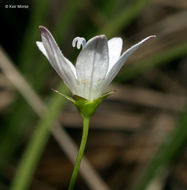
(167, 153)
(108, 7)
(119, 20)
(65, 20)
(38, 15)
(36, 145)
(124, 18)
(13, 129)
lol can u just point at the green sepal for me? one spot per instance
(105, 95)
(87, 108)
(65, 96)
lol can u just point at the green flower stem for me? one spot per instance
(86, 121)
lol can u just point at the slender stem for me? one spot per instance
(86, 121)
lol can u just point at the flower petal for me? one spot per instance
(114, 48)
(92, 65)
(116, 68)
(42, 49)
(61, 64)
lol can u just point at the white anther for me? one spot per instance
(78, 41)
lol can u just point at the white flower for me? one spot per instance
(97, 64)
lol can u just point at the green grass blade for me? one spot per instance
(124, 18)
(38, 142)
(168, 152)
(38, 15)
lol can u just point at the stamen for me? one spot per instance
(78, 41)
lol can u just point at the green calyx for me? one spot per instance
(85, 107)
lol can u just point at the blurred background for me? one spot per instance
(137, 137)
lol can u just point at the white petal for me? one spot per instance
(114, 48)
(42, 49)
(61, 64)
(116, 68)
(92, 65)
(72, 66)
